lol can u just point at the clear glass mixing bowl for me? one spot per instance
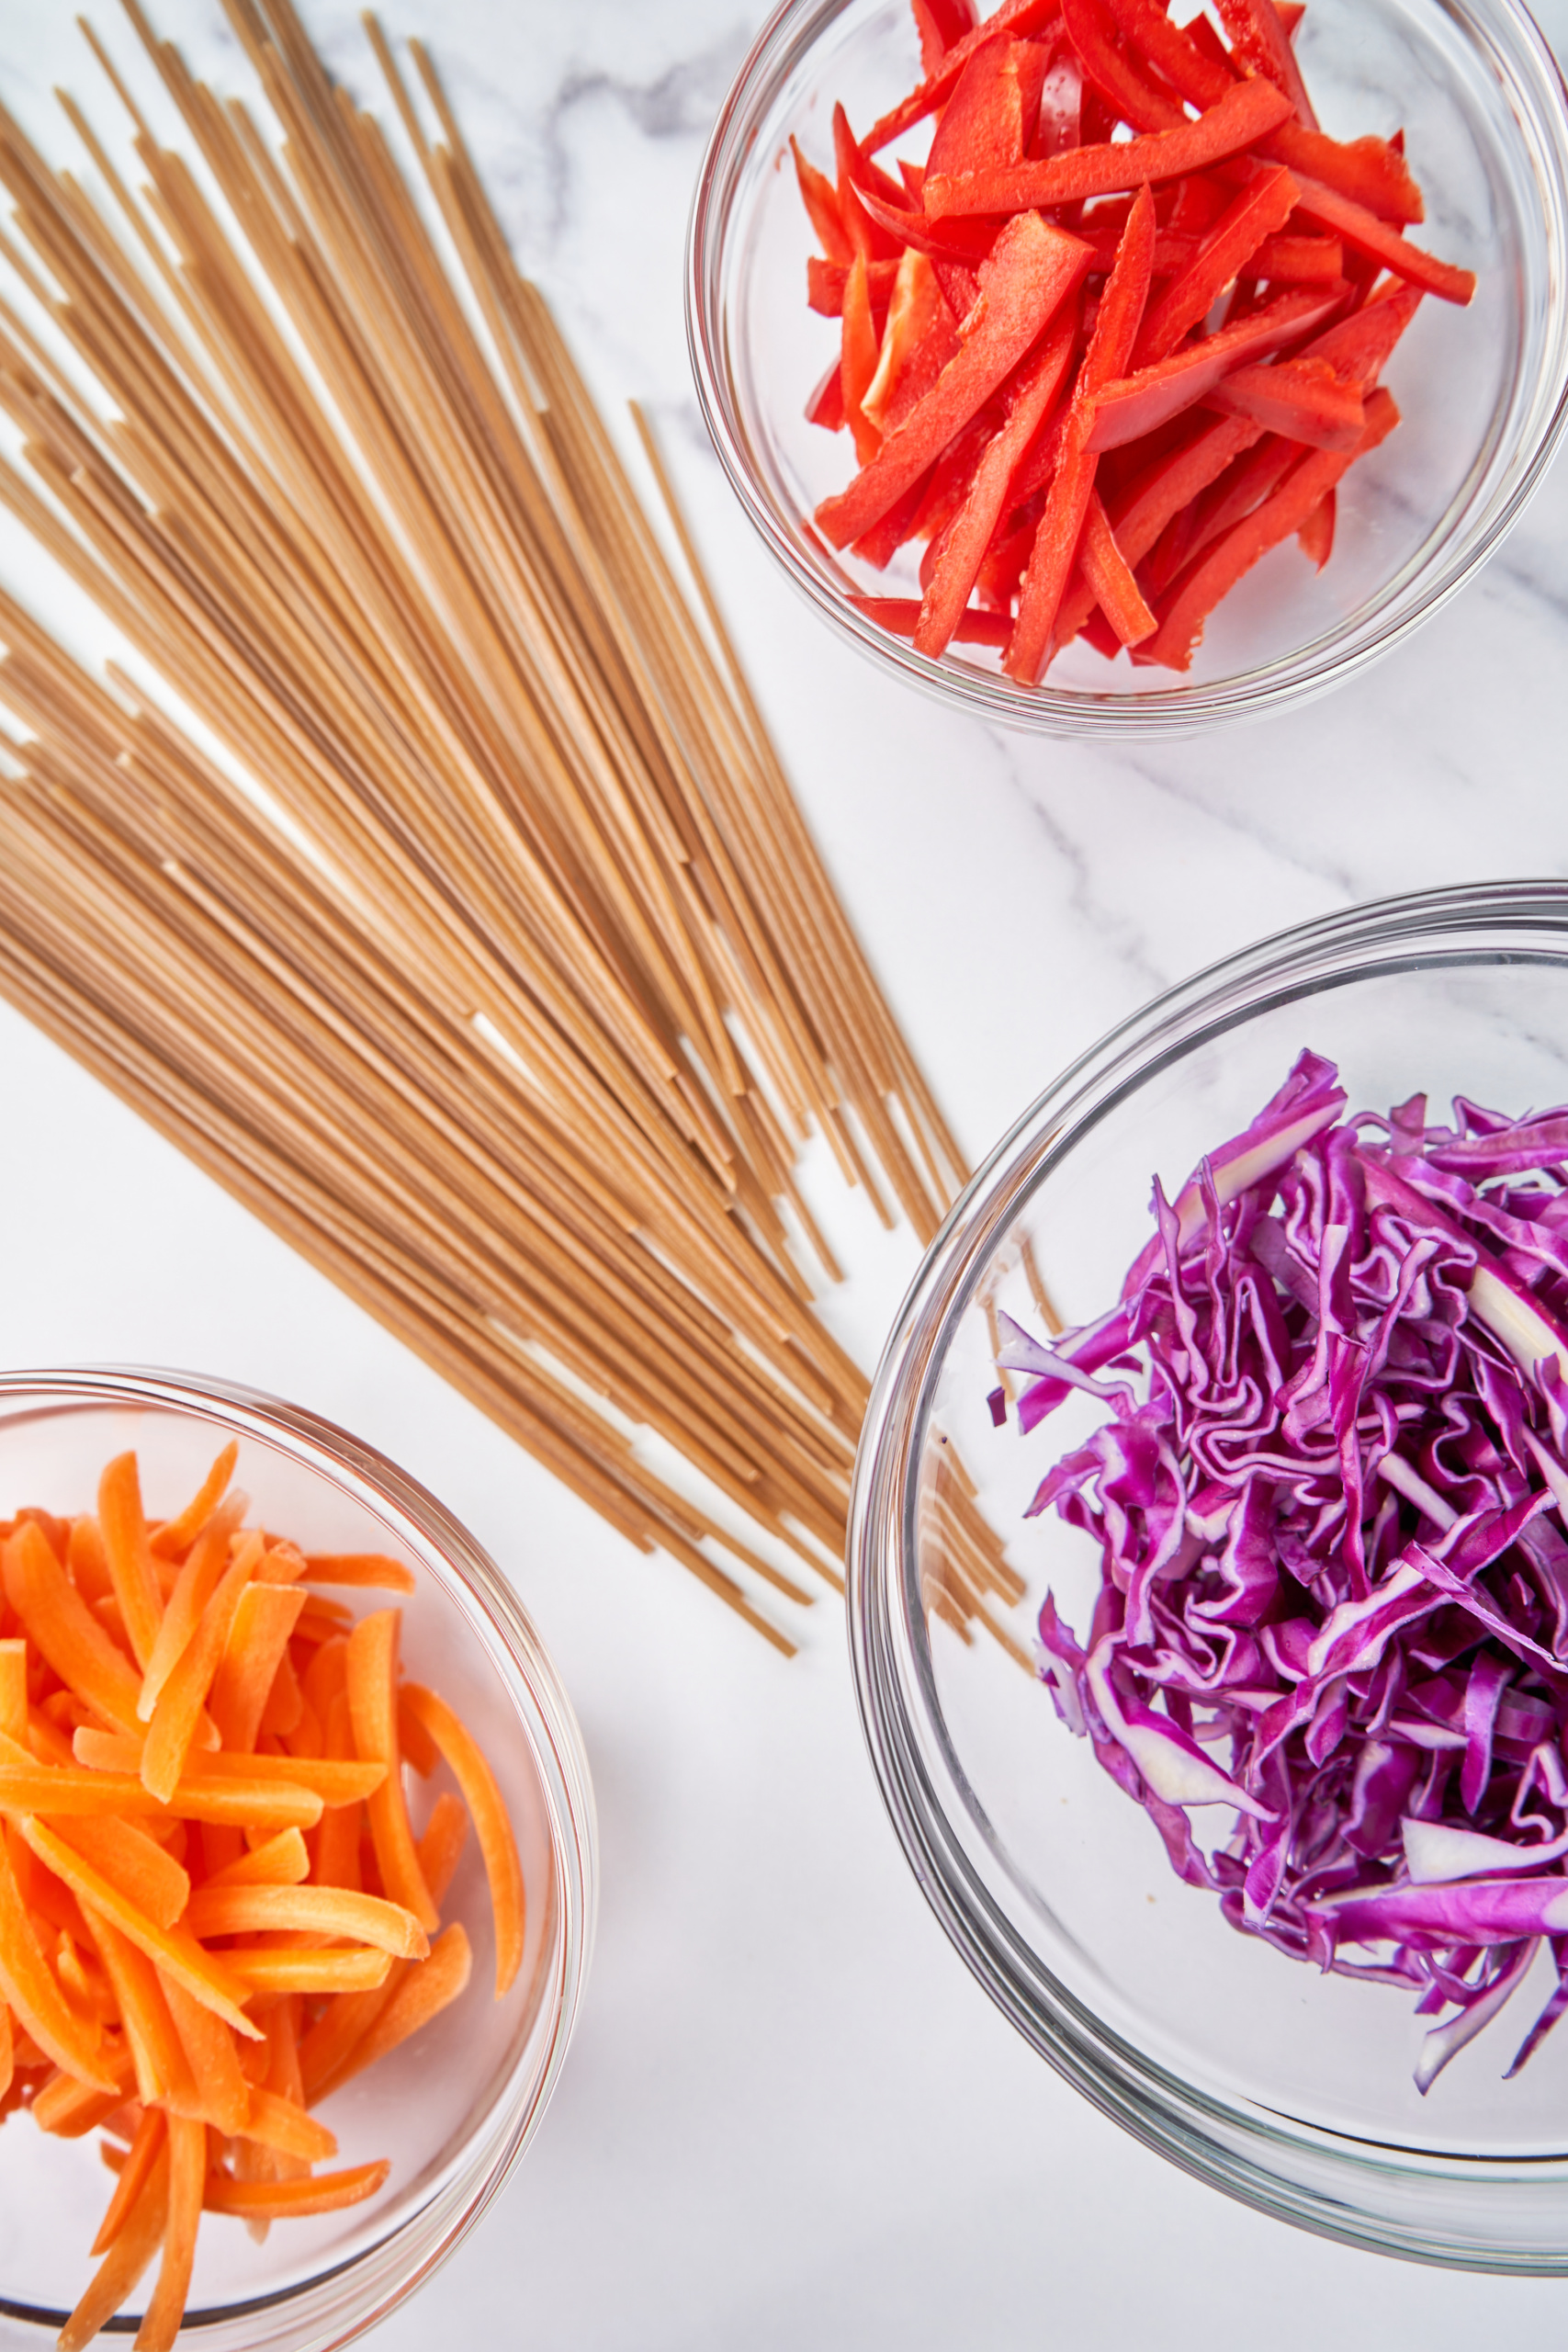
(1288, 2088)
(456, 2105)
(1481, 390)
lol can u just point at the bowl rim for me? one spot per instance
(338, 2303)
(1298, 677)
(1204, 2134)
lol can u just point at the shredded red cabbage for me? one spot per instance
(1330, 1495)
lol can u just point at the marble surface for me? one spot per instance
(789, 2117)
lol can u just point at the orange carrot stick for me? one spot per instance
(331, 1782)
(275, 2122)
(183, 1696)
(173, 1949)
(133, 2176)
(337, 1841)
(285, 1701)
(139, 2235)
(311, 1910)
(29, 1987)
(326, 2192)
(187, 2183)
(163, 2072)
(258, 1641)
(326, 1676)
(421, 1994)
(14, 1689)
(132, 1861)
(359, 1568)
(7, 2050)
(372, 1681)
(264, 1969)
(55, 1616)
(446, 1834)
(129, 1555)
(491, 1826)
(340, 2029)
(194, 1588)
(414, 1743)
(70, 2108)
(223, 2095)
(57, 1789)
(175, 1534)
(281, 1860)
(86, 1562)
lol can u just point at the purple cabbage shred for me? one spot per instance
(1330, 1496)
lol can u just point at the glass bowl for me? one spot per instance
(1482, 390)
(456, 2105)
(1288, 2088)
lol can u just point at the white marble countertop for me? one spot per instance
(790, 2118)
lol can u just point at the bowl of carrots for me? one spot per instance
(1096, 371)
(297, 1870)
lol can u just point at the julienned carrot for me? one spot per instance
(135, 1844)
(179, 1534)
(491, 1825)
(322, 2193)
(371, 1671)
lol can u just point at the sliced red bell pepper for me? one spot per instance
(960, 286)
(1016, 17)
(825, 285)
(1135, 98)
(1172, 254)
(821, 202)
(864, 233)
(997, 582)
(948, 483)
(1252, 478)
(1316, 538)
(858, 358)
(1260, 208)
(1061, 524)
(1292, 261)
(1302, 399)
(1172, 52)
(1369, 235)
(940, 24)
(1035, 391)
(1291, 15)
(1247, 112)
(1261, 42)
(1359, 348)
(1143, 507)
(1031, 270)
(825, 406)
(1133, 405)
(993, 108)
(1196, 203)
(901, 615)
(1216, 573)
(878, 546)
(967, 242)
(1059, 125)
(920, 338)
(1109, 575)
(1369, 171)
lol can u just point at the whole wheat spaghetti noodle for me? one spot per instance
(492, 964)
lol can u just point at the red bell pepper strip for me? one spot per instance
(1291, 14)
(1059, 125)
(1197, 203)
(960, 286)
(1108, 572)
(821, 202)
(1171, 254)
(994, 106)
(825, 285)
(1247, 112)
(1302, 398)
(1015, 17)
(940, 24)
(1261, 42)
(901, 615)
(1061, 524)
(1252, 478)
(1133, 405)
(1260, 208)
(1316, 538)
(1367, 235)
(1359, 348)
(825, 406)
(858, 360)
(1369, 171)
(878, 546)
(1172, 52)
(920, 338)
(1132, 96)
(1142, 510)
(1036, 389)
(1216, 573)
(967, 242)
(1032, 271)
(866, 235)
(1291, 261)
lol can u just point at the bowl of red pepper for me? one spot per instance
(1094, 372)
(1208, 1577)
